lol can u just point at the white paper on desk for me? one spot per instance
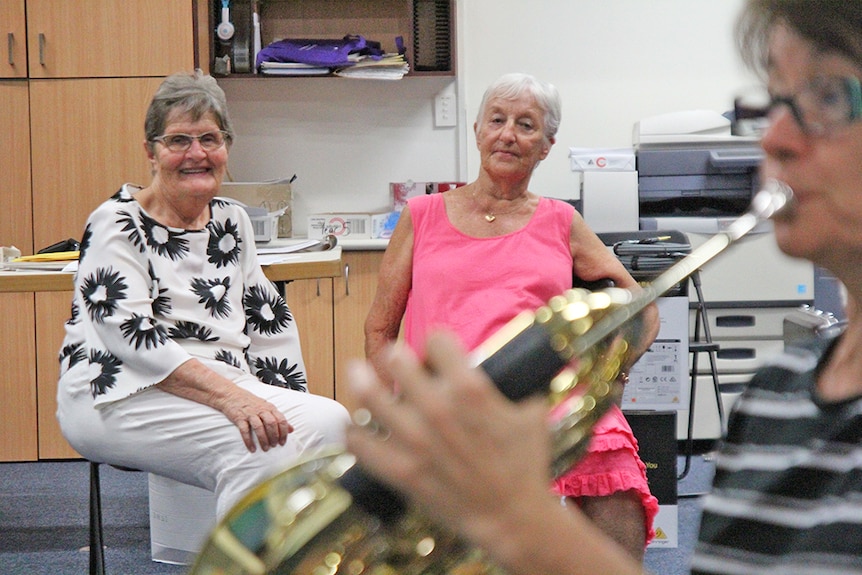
(270, 259)
(289, 248)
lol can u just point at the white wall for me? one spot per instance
(614, 61)
(344, 139)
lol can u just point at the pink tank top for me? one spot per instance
(473, 286)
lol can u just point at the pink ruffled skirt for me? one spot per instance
(612, 464)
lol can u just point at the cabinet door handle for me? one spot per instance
(346, 279)
(41, 48)
(10, 43)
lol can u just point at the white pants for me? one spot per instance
(162, 433)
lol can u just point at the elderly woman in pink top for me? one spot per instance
(470, 259)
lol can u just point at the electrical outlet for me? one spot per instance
(445, 111)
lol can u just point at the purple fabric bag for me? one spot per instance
(327, 53)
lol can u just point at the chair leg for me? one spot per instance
(97, 550)
(689, 438)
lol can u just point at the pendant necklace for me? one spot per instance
(490, 217)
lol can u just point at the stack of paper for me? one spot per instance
(390, 67)
(52, 261)
(292, 69)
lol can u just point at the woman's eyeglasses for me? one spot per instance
(209, 141)
(823, 105)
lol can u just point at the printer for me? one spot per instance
(694, 176)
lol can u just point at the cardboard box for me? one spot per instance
(181, 518)
(660, 380)
(400, 192)
(343, 225)
(273, 196)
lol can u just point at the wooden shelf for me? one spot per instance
(427, 28)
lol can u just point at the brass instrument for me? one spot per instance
(325, 516)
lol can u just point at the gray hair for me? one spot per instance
(833, 26)
(511, 86)
(193, 93)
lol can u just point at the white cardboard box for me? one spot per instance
(602, 159)
(666, 525)
(181, 518)
(344, 225)
(659, 380)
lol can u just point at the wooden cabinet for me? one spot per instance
(13, 26)
(425, 27)
(75, 81)
(52, 311)
(87, 140)
(310, 303)
(15, 166)
(354, 293)
(17, 381)
(109, 38)
(331, 318)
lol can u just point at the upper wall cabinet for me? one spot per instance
(13, 26)
(426, 29)
(108, 38)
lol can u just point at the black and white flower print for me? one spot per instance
(101, 291)
(265, 310)
(72, 354)
(277, 372)
(224, 244)
(161, 301)
(227, 357)
(148, 297)
(110, 366)
(163, 241)
(191, 330)
(213, 293)
(74, 317)
(84, 246)
(130, 227)
(141, 330)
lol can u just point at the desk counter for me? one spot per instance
(306, 265)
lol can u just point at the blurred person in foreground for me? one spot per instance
(181, 358)
(787, 494)
(472, 258)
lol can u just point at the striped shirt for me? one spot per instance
(787, 493)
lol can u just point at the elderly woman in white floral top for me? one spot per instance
(181, 358)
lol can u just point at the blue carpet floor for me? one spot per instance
(44, 519)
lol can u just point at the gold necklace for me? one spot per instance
(490, 217)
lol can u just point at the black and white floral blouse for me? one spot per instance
(149, 297)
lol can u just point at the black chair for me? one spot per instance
(97, 549)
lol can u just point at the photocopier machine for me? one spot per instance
(691, 175)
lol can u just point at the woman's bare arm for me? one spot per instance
(393, 287)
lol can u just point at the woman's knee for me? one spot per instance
(332, 421)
